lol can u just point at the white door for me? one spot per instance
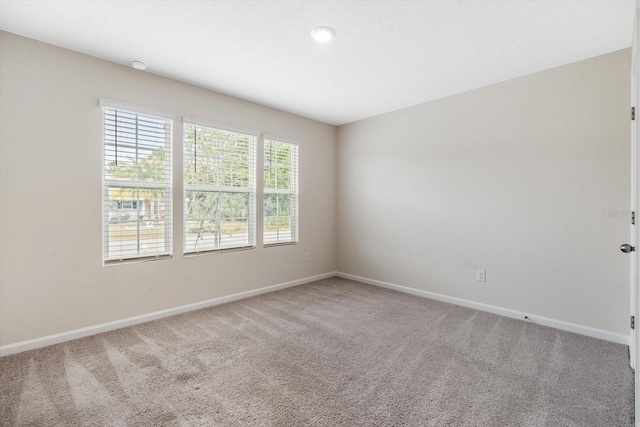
(634, 197)
(635, 286)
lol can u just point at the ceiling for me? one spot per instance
(386, 55)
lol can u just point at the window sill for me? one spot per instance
(217, 251)
(273, 245)
(111, 262)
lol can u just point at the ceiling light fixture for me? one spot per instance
(323, 34)
(138, 64)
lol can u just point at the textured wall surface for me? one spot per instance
(518, 178)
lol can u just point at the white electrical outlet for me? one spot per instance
(306, 257)
(481, 275)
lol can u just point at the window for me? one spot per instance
(280, 192)
(136, 185)
(127, 204)
(219, 184)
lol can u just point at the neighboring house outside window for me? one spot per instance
(127, 204)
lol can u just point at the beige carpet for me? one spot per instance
(329, 353)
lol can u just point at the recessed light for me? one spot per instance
(323, 34)
(138, 64)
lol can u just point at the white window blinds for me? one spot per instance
(219, 188)
(280, 192)
(137, 217)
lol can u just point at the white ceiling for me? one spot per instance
(386, 54)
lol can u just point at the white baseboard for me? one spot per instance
(32, 344)
(545, 321)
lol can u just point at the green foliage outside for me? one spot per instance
(211, 158)
(135, 153)
(150, 168)
(277, 212)
(277, 175)
(277, 165)
(221, 159)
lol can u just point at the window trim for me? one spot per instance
(138, 109)
(252, 192)
(278, 138)
(218, 126)
(105, 103)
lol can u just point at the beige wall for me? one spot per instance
(512, 178)
(51, 276)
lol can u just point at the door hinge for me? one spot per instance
(633, 218)
(633, 322)
(633, 113)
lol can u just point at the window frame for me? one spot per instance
(251, 190)
(293, 192)
(107, 104)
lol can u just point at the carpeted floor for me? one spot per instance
(329, 353)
